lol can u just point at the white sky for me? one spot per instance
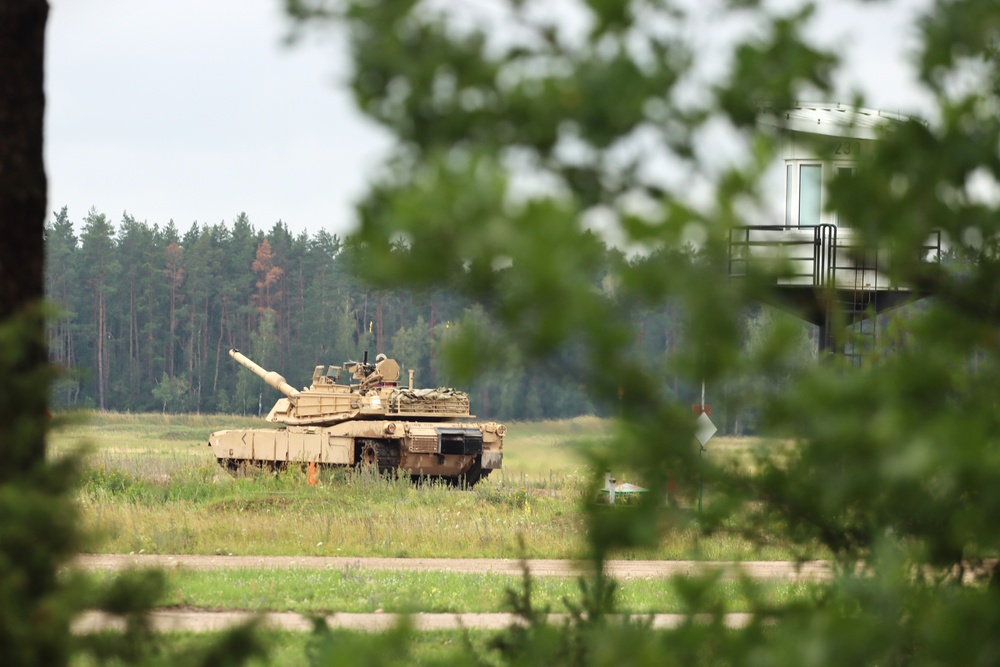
(196, 110)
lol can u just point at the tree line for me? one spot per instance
(146, 314)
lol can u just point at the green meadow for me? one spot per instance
(356, 590)
(151, 485)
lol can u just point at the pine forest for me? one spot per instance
(145, 315)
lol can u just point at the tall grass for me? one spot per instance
(204, 510)
(152, 486)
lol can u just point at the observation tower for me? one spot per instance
(823, 272)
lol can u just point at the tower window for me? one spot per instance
(789, 195)
(810, 194)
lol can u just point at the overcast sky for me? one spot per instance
(196, 110)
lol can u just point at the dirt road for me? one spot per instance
(214, 621)
(620, 569)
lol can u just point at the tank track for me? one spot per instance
(386, 455)
(473, 475)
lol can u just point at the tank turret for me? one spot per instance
(371, 421)
(375, 394)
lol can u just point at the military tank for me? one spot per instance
(373, 421)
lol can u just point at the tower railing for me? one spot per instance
(845, 278)
(764, 245)
(814, 256)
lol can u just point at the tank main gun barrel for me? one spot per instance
(272, 378)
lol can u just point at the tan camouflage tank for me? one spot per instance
(373, 421)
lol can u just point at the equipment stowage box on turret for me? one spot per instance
(374, 422)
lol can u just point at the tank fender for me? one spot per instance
(492, 460)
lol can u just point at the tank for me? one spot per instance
(373, 421)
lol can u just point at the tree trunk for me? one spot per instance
(23, 183)
(378, 323)
(133, 340)
(101, 350)
(169, 357)
(150, 340)
(22, 223)
(218, 347)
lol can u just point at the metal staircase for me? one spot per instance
(856, 275)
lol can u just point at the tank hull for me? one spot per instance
(375, 422)
(458, 451)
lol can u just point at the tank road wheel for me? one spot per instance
(235, 467)
(383, 456)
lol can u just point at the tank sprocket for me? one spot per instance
(384, 456)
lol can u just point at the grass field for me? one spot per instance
(356, 590)
(151, 485)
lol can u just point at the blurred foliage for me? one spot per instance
(526, 132)
(40, 533)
